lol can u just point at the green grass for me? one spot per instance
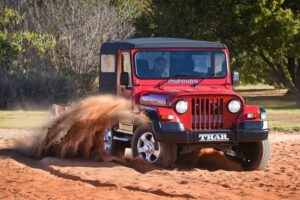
(295, 111)
(286, 127)
(284, 120)
(24, 119)
(283, 110)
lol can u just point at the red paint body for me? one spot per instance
(209, 92)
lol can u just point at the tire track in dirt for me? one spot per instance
(278, 180)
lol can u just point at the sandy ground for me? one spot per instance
(54, 178)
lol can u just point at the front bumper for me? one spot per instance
(250, 131)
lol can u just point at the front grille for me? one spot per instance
(207, 113)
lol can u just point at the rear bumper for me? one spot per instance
(245, 132)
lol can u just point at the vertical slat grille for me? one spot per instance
(207, 113)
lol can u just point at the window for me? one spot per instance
(152, 64)
(194, 63)
(127, 66)
(108, 63)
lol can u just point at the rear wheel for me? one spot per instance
(147, 148)
(253, 155)
(111, 146)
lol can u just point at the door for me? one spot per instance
(124, 65)
(108, 75)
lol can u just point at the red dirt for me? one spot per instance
(211, 177)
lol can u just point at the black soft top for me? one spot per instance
(113, 46)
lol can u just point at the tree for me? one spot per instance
(271, 32)
(51, 48)
(14, 43)
(80, 27)
(267, 31)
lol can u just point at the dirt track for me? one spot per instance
(53, 178)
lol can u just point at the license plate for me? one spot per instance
(213, 137)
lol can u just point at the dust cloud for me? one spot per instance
(79, 132)
(209, 159)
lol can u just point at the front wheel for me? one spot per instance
(253, 155)
(147, 148)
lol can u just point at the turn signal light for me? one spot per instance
(253, 116)
(167, 117)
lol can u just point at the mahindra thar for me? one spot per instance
(185, 87)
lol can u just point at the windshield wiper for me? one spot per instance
(207, 75)
(195, 84)
(171, 77)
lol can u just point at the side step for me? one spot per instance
(125, 138)
(123, 131)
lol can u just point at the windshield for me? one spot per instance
(165, 64)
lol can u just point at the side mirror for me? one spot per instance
(124, 78)
(235, 77)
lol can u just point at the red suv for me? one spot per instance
(186, 89)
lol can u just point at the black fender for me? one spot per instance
(253, 131)
(151, 114)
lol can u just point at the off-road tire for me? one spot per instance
(168, 151)
(256, 159)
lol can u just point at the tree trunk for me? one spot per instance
(272, 66)
(280, 75)
(3, 100)
(294, 71)
(291, 66)
(3, 88)
(297, 75)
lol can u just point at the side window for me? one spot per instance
(127, 66)
(108, 63)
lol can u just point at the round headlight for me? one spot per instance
(234, 106)
(181, 106)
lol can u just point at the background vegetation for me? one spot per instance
(49, 50)
(283, 113)
(263, 35)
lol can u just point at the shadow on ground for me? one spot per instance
(206, 159)
(47, 164)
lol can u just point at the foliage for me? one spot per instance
(263, 35)
(14, 41)
(50, 49)
(80, 27)
(18, 47)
